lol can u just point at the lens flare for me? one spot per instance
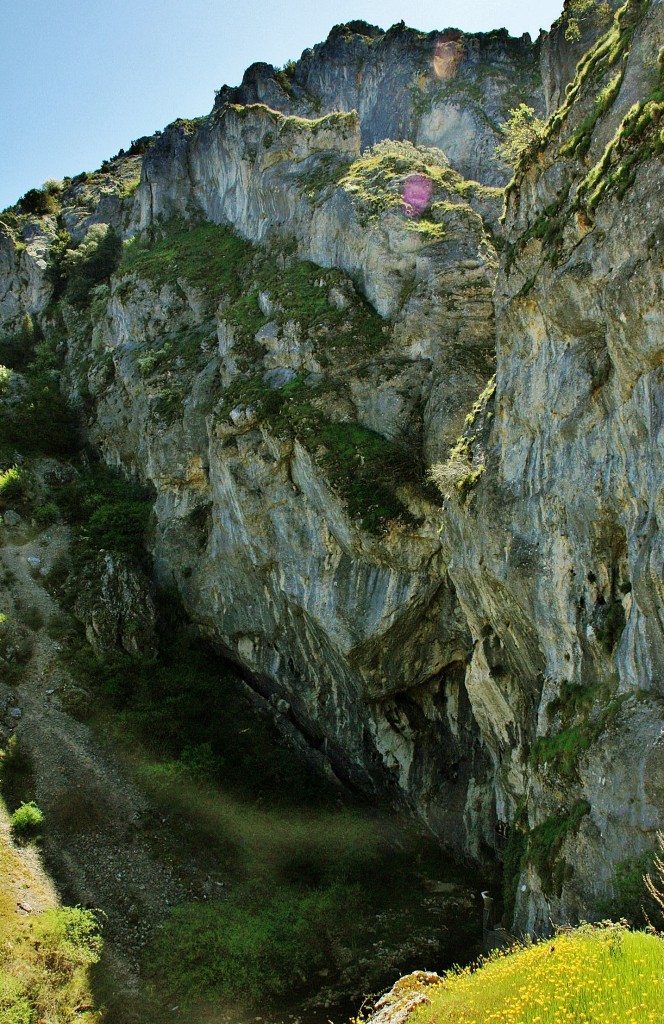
(447, 58)
(417, 190)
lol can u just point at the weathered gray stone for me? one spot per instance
(116, 607)
(422, 663)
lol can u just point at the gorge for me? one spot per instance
(398, 408)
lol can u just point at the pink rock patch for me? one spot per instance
(417, 190)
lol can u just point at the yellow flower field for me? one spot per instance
(592, 975)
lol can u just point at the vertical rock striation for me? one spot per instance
(299, 329)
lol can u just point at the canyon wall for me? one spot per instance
(301, 334)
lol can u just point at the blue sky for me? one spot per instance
(79, 79)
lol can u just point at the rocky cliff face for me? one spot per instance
(447, 89)
(576, 458)
(571, 36)
(298, 331)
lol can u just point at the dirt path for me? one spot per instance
(100, 830)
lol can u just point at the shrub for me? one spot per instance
(39, 202)
(27, 820)
(5, 379)
(69, 939)
(44, 972)
(17, 350)
(42, 422)
(522, 132)
(92, 263)
(46, 514)
(655, 885)
(120, 527)
(12, 486)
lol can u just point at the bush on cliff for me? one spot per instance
(75, 271)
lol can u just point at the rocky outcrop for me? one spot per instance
(570, 37)
(116, 607)
(349, 631)
(23, 260)
(446, 89)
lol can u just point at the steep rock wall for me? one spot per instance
(557, 560)
(507, 669)
(447, 89)
(357, 637)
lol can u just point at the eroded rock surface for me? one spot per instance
(493, 658)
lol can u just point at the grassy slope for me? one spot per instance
(45, 955)
(593, 975)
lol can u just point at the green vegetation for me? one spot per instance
(548, 227)
(129, 187)
(513, 861)
(540, 847)
(579, 12)
(563, 750)
(284, 76)
(107, 511)
(462, 470)
(40, 202)
(609, 52)
(45, 963)
(638, 138)
(324, 174)
(75, 271)
(16, 774)
(363, 466)
(12, 486)
(5, 380)
(284, 124)
(42, 422)
(611, 625)
(595, 974)
(579, 142)
(545, 841)
(596, 66)
(376, 181)
(305, 876)
(17, 350)
(182, 709)
(633, 901)
(522, 134)
(584, 712)
(211, 258)
(258, 944)
(27, 821)
(230, 270)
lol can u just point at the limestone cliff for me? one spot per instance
(299, 331)
(447, 89)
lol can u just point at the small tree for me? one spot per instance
(27, 820)
(522, 132)
(38, 202)
(75, 272)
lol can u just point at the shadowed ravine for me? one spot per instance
(351, 896)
